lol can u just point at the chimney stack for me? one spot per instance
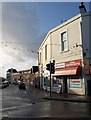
(82, 8)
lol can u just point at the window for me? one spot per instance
(45, 81)
(45, 52)
(75, 82)
(40, 58)
(64, 43)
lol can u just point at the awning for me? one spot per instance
(67, 71)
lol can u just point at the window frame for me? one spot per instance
(40, 57)
(63, 41)
(46, 52)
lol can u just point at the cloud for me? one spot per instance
(20, 22)
(20, 35)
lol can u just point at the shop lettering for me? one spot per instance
(61, 65)
(73, 63)
(75, 81)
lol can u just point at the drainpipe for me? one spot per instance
(83, 59)
(82, 10)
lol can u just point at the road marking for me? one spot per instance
(16, 107)
(12, 98)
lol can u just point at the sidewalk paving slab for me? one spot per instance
(69, 98)
(60, 97)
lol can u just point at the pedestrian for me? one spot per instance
(59, 88)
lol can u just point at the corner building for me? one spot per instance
(69, 44)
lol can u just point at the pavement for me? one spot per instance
(55, 96)
(69, 98)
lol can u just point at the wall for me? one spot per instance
(42, 50)
(78, 41)
(90, 35)
(74, 37)
(85, 34)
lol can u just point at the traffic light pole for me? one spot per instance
(50, 67)
(50, 79)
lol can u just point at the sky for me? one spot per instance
(24, 27)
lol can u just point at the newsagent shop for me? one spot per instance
(69, 74)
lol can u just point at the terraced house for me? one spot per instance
(69, 44)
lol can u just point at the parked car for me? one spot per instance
(15, 82)
(22, 85)
(18, 82)
(5, 84)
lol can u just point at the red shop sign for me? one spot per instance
(60, 65)
(73, 63)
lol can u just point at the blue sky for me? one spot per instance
(24, 25)
(52, 13)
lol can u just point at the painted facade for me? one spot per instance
(69, 45)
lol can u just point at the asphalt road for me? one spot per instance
(19, 104)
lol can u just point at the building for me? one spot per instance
(9, 74)
(24, 75)
(69, 45)
(29, 76)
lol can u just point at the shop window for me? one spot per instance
(55, 81)
(75, 82)
(45, 81)
(48, 83)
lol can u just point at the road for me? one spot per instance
(21, 104)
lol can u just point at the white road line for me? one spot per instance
(12, 98)
(15, 107)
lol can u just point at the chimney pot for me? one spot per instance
(82, 8)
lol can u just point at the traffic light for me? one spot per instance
(35, 69)
(48, 67)
(52, 68)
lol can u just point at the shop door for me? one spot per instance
(65, 84)
(89, 87)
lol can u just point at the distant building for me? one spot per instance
(22, 75)
(9, 74)
(69, 44)
(30, 76)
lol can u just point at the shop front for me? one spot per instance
(88, 79)
(70, 75)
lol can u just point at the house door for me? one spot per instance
(65, 84)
